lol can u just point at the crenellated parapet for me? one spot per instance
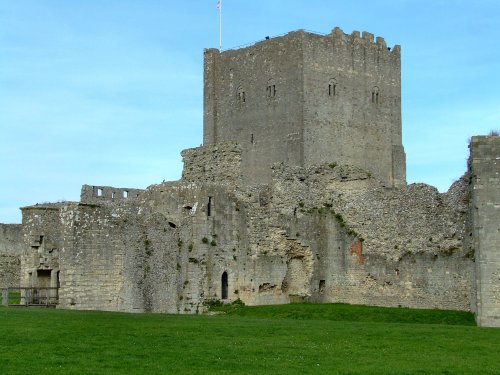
(365, 38)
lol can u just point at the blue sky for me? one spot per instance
(109, 92)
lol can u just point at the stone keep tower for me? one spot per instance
(305, 99)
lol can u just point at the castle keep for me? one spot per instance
(305, 99)
(298, 194)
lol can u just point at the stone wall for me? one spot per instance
(374, 245)
(352, 105)
(212, 163)
(11, 248)
(102, 194)
(43, 242)
(485, 219)
(252, 96)
(328, 233)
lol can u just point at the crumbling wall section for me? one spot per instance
(209, 239)
(220, 163)
(11, 249)
(107, 194)
(43, 242)
(97, 244)
(485, 223)
(377, 245)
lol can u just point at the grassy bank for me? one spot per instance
(290, 339)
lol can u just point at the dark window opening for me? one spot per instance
(43, 278)
(271, 88)
(43, 273)
(209, 207)
(375, 95)
(252, 139)
(332, 88)
(271, 91)
(240, 95)
(172, 225)
(322, 286)
(224, 285)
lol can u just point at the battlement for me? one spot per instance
(365, 38)
(337, 35)
(101, 194)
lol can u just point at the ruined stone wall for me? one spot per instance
(352, 106)
(11, 249)
(209, 237)
(329, 233)
(380, 246)
(485, 222)
(43, 242)
(92, 260)
(219, 162)
(102, 194)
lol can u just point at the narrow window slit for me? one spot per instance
(224, 285)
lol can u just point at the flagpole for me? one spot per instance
(220, 25)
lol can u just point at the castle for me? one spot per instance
(298, 194)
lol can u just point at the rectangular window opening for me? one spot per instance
(209, 207)
(99, 192)
(321, 286)
(125, 194)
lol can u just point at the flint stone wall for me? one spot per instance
(11, 248)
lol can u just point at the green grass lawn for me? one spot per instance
(289, 339)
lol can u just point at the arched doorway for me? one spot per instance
(224, 285)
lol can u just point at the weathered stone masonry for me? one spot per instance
(283, 202)
(485, 218)
(305, 99)
(11, 247)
